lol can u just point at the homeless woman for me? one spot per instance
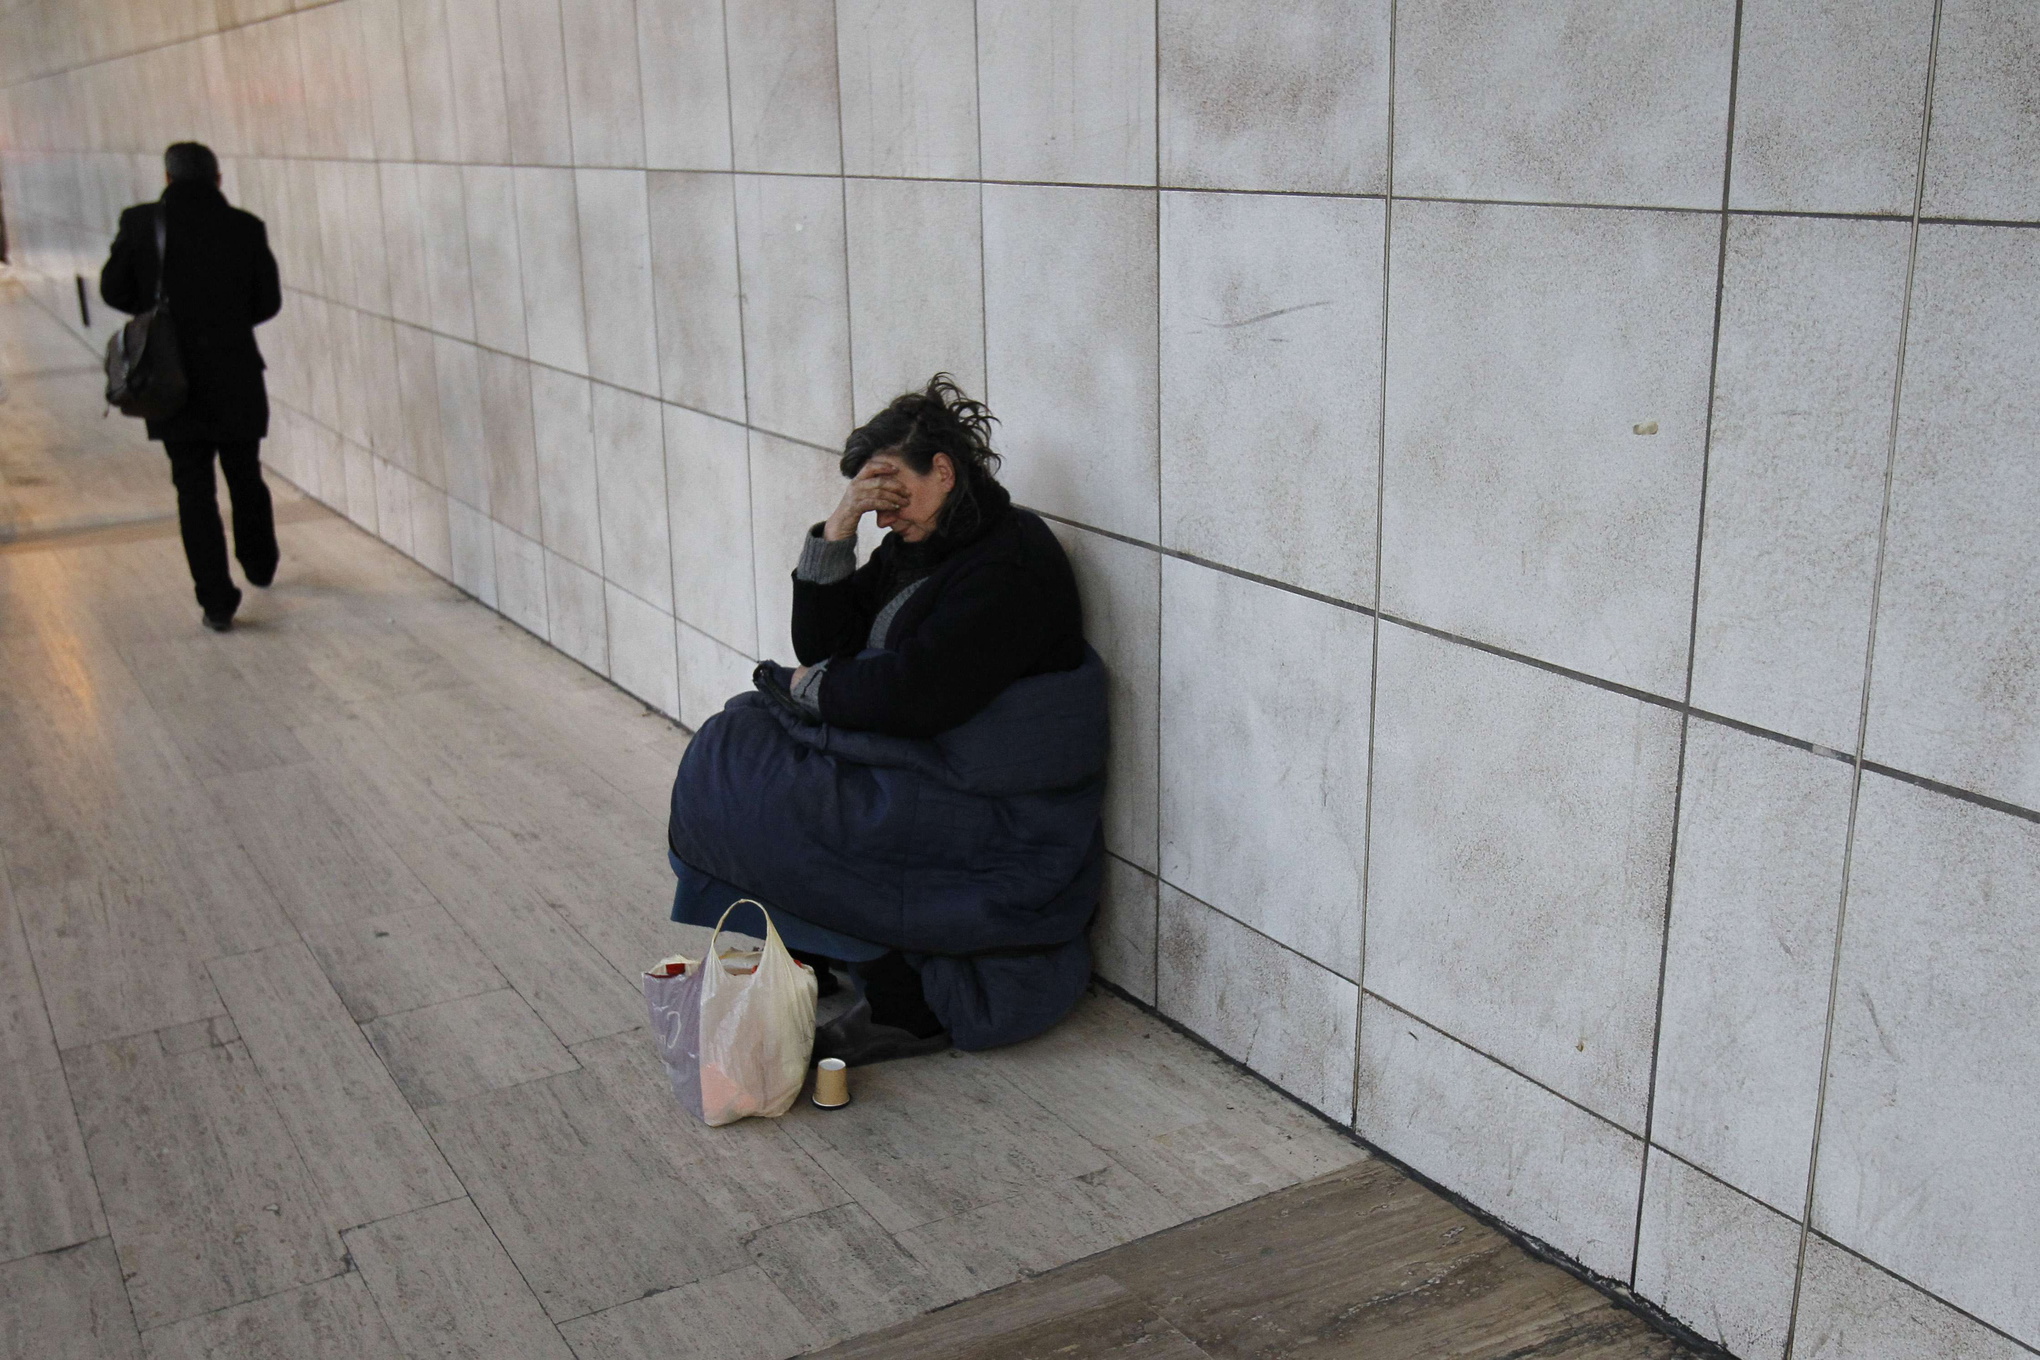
(920, 798)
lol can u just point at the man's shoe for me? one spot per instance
(259, 582)
(219, 623)
(860, 1041)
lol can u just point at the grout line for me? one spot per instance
(1657, 1023)
(1563, 204)
(1573, 1101)
(222, 29)
(1161, 600)
(1863, 708)
(1891, 1274)
(743, 337)
(1380, 522)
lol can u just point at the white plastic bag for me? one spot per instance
(734, 1032)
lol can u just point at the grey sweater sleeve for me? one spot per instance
(823, 562)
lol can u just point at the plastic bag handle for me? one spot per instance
(771, 931)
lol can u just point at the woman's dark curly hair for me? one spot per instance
(915, 426)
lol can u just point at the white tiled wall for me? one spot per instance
(1566, 569)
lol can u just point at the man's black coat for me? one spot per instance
(221, 285)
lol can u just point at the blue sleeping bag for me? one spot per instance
(977, 853)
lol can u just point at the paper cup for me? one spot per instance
(832, 1084)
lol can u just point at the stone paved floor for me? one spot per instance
(319, 1028)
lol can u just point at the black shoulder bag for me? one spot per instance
(144, 373)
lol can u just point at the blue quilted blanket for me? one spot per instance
(977, 853)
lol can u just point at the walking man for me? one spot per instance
(219, 281)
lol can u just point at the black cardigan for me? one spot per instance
(997, 610)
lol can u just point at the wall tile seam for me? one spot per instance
(1178, 889)
(62, 71)
(1388, 198)
(1733, 212)
(1657, 1024)
(1597, 682)
(2030, 1347)
(1869, 676)
(1161, 374)
(1509, 1067)
(1720, 1180)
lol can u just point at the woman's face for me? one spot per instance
(925, 492)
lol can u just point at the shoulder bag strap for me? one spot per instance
(162, 244)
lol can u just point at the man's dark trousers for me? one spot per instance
(198, 518)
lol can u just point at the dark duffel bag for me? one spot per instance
(144, 372)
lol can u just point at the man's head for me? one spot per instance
(192, 163)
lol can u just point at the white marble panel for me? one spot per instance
(428, 72)
(363, 197)
(1071, 350)
(1123, 934)
(1716, 1260)
(1535, 1161)
(694, 287)
(1928, 1140)
(909, 87)
(916, 288)
(630, 463)
(1955, 689)
(418, 395)
(1264, 757)
(443, 217)
(549, 242)
(563, 433)
(796, 305)
(360, 485)
(455, 366)
(1520, 855)
(1272, 1009)
(431, 543)
(520, 580)
(602, 82)
(708, 487)
(1828, 103)
(710, 674)
(1762, 829)
(1563, 101)
(792, 486)
(535, 82)
(616, 278)
(508, 440)
(474, 550)
(1120, 586)
(1271, 385)
(494, 266)
(1073, 86)
(641, 651)
(577, 613)
(782, 74)
(389, 95)
(480, 105)
(684, 72)
(393, 506)
(1527, 346)
(384, 394)
(1851, 1310)
(1986, 136)
(1810, 315)
(1289, 97)
(332, 219)
(404, 239)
